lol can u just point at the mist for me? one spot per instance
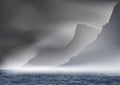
(30, 26)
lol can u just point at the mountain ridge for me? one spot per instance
(106, 43)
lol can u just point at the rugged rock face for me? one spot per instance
(111, 30)
(83, 35)
(107, 42)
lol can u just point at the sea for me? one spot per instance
(8, 78)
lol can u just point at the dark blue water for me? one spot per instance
(57, 79)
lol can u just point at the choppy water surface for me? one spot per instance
(57, 79)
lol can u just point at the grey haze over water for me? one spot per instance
(38, 33)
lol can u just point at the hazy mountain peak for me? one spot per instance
(105, 48)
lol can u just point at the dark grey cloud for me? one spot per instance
(12, 39)
(28, 26)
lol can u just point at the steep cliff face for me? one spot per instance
(115, 17)
(107, 43)
(111, 30)
(47, 56)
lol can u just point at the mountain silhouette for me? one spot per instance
(105, 46)
(51, 56)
